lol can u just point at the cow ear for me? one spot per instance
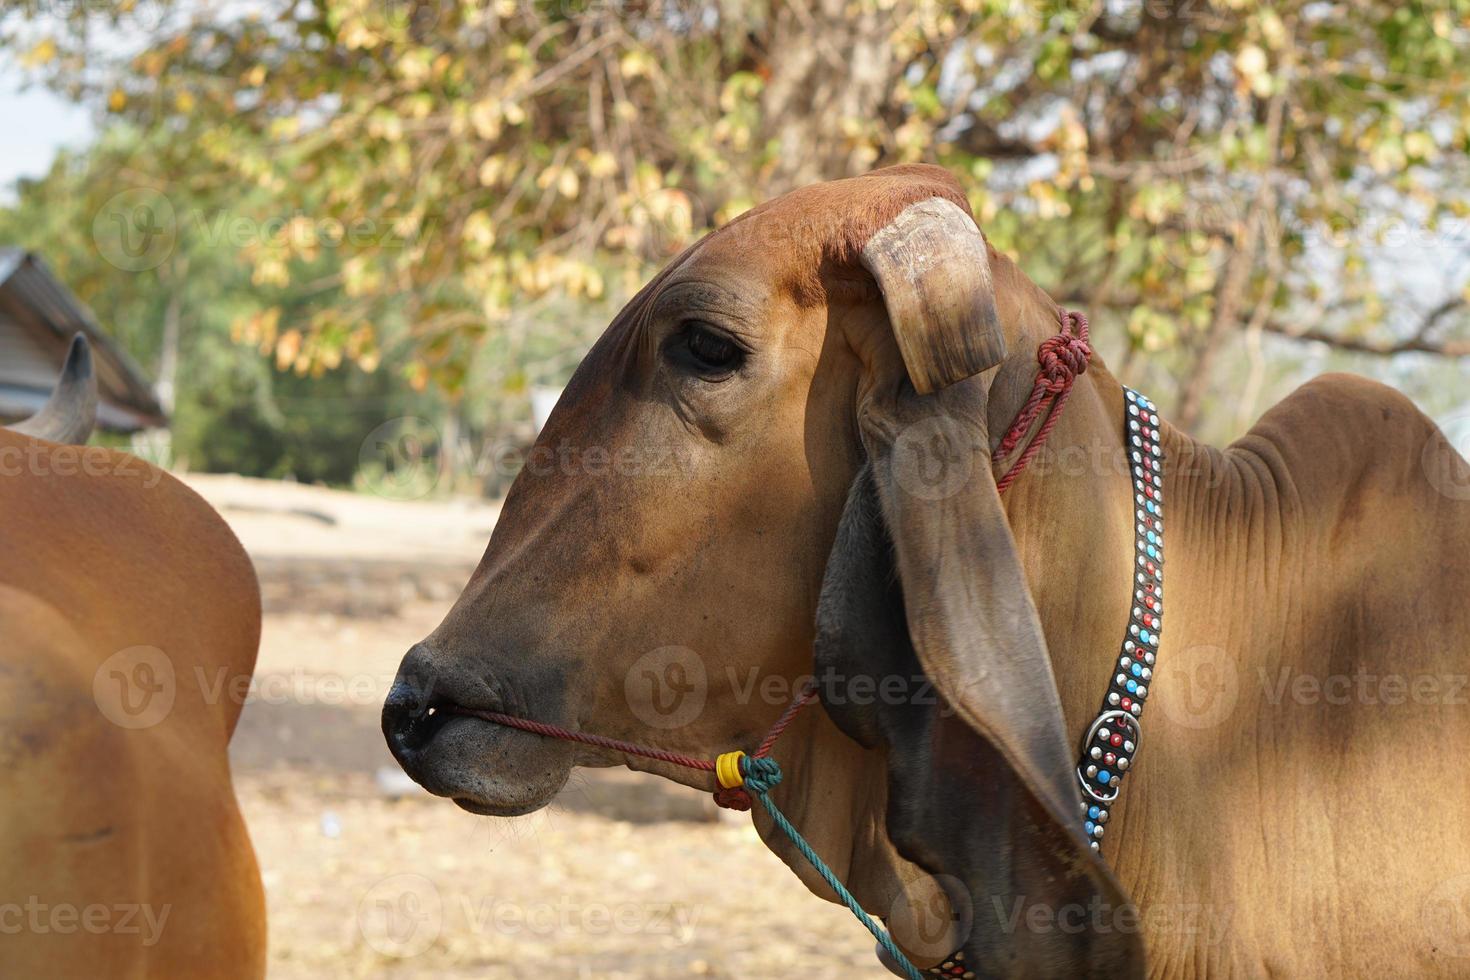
(924, 580)
(932, 267)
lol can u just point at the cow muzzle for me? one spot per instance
(483, 767)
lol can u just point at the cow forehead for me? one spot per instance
(790, 242)
(732, 266)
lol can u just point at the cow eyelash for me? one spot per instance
(704, 349)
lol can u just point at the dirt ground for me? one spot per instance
(624, 876)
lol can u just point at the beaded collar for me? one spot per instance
(1112, 740)
(1113, 737)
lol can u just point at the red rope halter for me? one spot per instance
(1062, 357)
(735, 798)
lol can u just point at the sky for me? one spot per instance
(34, 124)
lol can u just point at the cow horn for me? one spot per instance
(71, 411)
(932, 265)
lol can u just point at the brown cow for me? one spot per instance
(131, 619)
(1267, 831)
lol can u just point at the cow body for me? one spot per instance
(1264, 830)
(132, 619)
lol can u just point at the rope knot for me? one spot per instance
(732, 798)
(740, 775)
(1062, 357)
(762, 774)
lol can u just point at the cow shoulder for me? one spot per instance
(1374, 507)
(1340, 441)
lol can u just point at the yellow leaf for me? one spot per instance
(1250, 63)
(602, 164)
(117, 100)
(486, 116)
(418, 376)
(1419, 144)
(355, 34)
(491, 170)
(270, 327)
(479, 230)
(43, 52)
(568, 184)
(635, 63)
(287, 349)
(1273, 30)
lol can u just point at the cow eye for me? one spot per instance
(705, 350)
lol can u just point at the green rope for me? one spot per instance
(761, 776)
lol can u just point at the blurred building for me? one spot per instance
(38, 317)
(543, 400)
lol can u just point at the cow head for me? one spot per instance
(740, 473)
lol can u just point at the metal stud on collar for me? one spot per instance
(1112, 740)
(954, 967)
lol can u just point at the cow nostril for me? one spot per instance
(412, 716)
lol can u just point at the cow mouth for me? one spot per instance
(484, 768)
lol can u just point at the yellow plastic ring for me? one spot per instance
(727, 769)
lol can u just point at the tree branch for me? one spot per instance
(1414, 345)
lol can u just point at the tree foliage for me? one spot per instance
(1189, 172)
(181, 310)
